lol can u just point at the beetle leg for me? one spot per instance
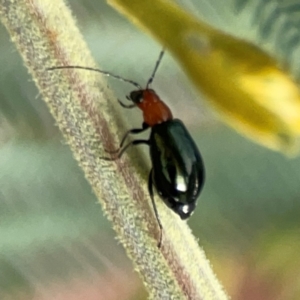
(125, 105)
(150, 189)
(132, 143)
(132, 131)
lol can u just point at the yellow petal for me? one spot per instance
(244, 83)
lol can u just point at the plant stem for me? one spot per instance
(46, 35)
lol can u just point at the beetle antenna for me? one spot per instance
(99, 71)
(155, 68)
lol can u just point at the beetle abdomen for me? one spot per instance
(178, 171)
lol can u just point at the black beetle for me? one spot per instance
(177, 167)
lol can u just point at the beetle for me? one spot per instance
(177, 171)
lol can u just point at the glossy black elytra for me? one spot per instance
(177, 167)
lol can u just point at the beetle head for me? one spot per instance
(136, 96)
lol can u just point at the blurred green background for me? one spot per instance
(55, 242)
